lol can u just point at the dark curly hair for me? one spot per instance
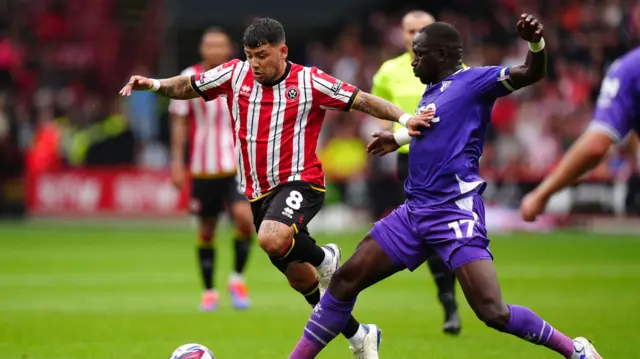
(263, 31)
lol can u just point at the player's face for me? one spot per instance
(411, 25)
(425, 62)
(267, 61)
(215, 49)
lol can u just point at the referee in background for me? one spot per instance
(396, 83)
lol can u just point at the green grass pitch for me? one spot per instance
(72, 292)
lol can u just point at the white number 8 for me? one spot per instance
(294, 200)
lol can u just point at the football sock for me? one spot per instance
(207, 257)
(312, 296)
(445, 281)
(527, 325)
(242, 245)
(303, 249)
(327, 319)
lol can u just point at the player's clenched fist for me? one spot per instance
(136, 83)
(529, 28)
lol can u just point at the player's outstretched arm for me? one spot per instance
(178, 88)
(385, 110)
(535, 67)
(588, 151)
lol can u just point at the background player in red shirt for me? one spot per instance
(213, 172)
(278, 108)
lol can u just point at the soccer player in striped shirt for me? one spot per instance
(278, 108)
(213, 172)
(396, 83)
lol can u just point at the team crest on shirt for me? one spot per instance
(445, 85)
(293, 93)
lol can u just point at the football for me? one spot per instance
(192, 351)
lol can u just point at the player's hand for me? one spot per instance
(422, 120)
(529, 28)
(178, 175)
(383, 143)
(136, 83)
(532, 205)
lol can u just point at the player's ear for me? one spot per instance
(284, 51)
(442, 54)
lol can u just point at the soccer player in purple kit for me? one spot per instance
(444, 210)
(617, 113)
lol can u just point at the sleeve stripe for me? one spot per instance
(325, 88)
(505, 79)
(600, 126)
(193, 84)
(353, 98)
(217, 81)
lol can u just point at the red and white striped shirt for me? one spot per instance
(212, 152)
(276, 127)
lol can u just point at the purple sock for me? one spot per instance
(327, 320)
(527, 325)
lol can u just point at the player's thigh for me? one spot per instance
(206, 203)
(397, 238)
(456, 232)
(479, 283)
(295, 204)
(368, 265)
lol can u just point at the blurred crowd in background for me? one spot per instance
(61, 63)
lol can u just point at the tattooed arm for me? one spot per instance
(376, 107)
(178, 87)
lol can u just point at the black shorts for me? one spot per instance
(403, 167)
(292, 203)
(210, 196)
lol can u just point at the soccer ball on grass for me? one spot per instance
(192, 351)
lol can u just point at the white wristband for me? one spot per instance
(403, 119)
(156, 85)
(402, 137)
(537, 46)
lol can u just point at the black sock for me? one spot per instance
(312, 296)
(303, 249)
(242, 247)
(207, 258)
(445, 281)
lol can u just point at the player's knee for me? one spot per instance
(495, 315)
(244, 221)
(275, 238)
(206, 230)
(245, 229)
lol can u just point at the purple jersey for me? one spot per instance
(618, 108)
(444, 160)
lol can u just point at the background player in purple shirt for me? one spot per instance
(444, 211)
(617, 114)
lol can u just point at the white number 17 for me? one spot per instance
(455, 225)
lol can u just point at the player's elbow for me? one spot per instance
(527, 75)
(595, 145)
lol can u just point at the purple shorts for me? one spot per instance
(455, 231)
